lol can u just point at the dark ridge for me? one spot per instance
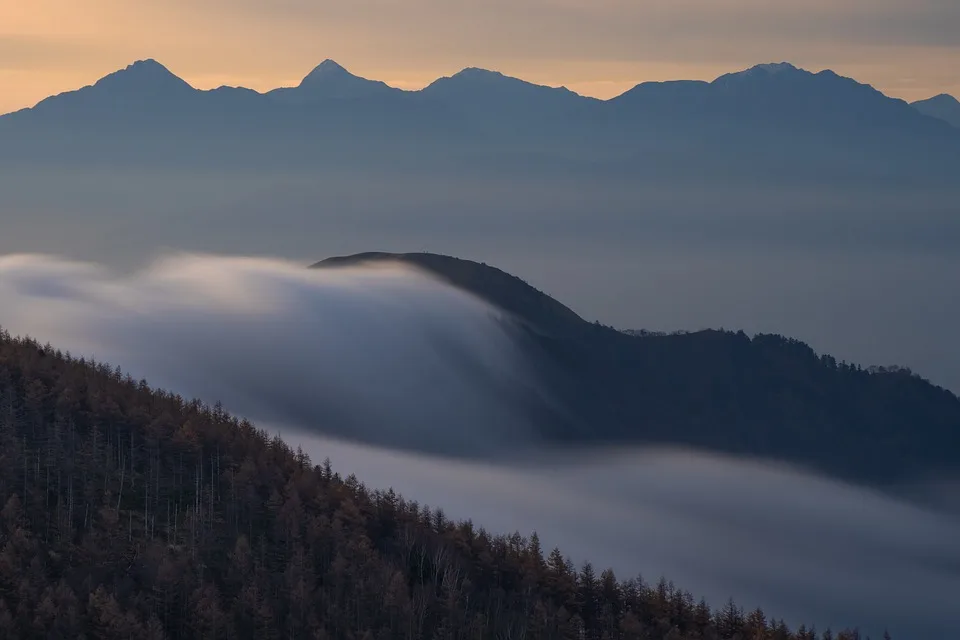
(497, 287)
(768, 395)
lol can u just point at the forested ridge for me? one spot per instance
(774, 396)
(134, 513)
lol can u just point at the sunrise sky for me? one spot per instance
(906, 48)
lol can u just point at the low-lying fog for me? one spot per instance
(863, 272)
(398, 358)
(804, 548)
(387, 355)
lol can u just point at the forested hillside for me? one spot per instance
(133, 513)
(765, 395)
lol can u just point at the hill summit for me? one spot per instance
(499, 288)
(767, 396)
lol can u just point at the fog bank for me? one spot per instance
(380, 354)
(391, 356)
(807, 549)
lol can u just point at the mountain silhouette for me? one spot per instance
(497, 287)
(142, 104)
(779, 93)
(483, 89)
(146, 86)
(766, 395)
(776, 120)
(330, 81)
(769, 122)
(944, 106)
(146, 79)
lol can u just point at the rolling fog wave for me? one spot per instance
(805, 548)
(390, 356)
(381, 354)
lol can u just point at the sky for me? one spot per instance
(906, 48)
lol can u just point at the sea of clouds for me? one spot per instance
(380, 354)
(412, 384)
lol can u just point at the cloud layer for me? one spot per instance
(391, 356)
(803, 548)
(384, 355)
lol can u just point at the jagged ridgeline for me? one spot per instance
(133, 513)
(767, 395)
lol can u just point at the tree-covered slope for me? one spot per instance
(765, 395)
(132, 513)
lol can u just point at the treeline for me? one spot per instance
(134, 513)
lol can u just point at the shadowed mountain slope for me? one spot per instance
(767, 396)
(497, 287)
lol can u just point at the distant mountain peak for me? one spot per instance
(477, 77)
(329, 80)
(478, 72)
(763, 72)
(147, 68)
(325, 70)
(146, 75)
(773, 67)
(485, 84)
(147, 65)
(330, 64)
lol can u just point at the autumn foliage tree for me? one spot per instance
(134, 513)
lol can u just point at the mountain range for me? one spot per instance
(772, 89)
(769, 121)
(944, 106)
(766, 395)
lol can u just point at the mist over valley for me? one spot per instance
(414, 383)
